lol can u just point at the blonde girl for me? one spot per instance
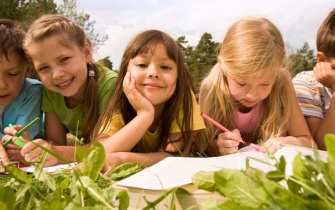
(152, 113)
(250, 92)
(75, 89)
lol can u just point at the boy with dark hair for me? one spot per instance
(315, 89)
(20, 96)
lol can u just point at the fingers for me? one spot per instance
(228, 142)
(4, 160)
(271, 146)
(31, 152)
(325, 74)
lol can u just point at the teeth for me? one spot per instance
(66, 83)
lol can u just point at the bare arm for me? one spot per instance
(128, 136)
(55, 131)
(321, 127)
(298, 132)
(325, 74)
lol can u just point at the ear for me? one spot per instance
(28, 69)
(320, 57)
(88, 52)
(218, 60)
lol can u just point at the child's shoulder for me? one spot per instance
(306, 78)
(33, 81)
(32, 85)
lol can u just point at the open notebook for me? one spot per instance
(177, 171)
(31, 169)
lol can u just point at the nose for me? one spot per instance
(251, 93)
(57, 73)
(153, 72)
(3, 83)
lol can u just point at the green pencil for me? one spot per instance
(21, 131)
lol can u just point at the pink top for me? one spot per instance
(248, 122)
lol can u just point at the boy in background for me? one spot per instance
(315, 89)
(20, 96)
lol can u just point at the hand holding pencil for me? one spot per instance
(228, 141)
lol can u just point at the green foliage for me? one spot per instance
(200, 59)
(106, 62)
(69, 9)
(26, 11)
(312, 185)
(83, 188)
(302, 60)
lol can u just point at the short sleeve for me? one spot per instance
(309, 94)
(198, 123)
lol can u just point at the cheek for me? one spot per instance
(236, 91)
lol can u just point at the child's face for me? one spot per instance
(250, 91)
(155, 75)
(61, 69)
(12, 74)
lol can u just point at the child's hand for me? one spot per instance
(33, 153)
(113, 160)
(228, 142)
(13, 152)
(325, 74)
(4, 160)
(272, 145)
(136, 99)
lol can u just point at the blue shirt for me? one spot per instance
(25, 108)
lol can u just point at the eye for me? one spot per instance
(242, 84)
(12, 74)
(166, 67)
(265, 85)
(142, 65)
(42, 68)
(62, 60)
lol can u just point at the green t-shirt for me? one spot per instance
(72, 118)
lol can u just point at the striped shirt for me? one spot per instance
(313, 97)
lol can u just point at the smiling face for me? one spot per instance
(155, 75)
(61, 69)
(250, 91)
(12, 73)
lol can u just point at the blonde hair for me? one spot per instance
(251, 48)
(69, 34)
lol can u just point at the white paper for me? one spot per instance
(31, 169)
(177, 171)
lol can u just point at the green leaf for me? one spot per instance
(93, 190)
(275, 175)
(330, 145)
(7, 198)
(204, 180)
(93, 161)
(20, 176)
(123, 198)
(123, 171)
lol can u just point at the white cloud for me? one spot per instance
(121, 20)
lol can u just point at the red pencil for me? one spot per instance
(209, 119)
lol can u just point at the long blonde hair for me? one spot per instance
(69, 34)
(251, 48)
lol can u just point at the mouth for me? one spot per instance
(4, 95)
(152, 85)
(65, 84)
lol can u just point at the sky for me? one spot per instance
(121, 20)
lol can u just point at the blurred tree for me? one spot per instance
(200, 59)
(69, 9)
(106, 62)
(25, 11)
(203, 58)
(303, 59)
